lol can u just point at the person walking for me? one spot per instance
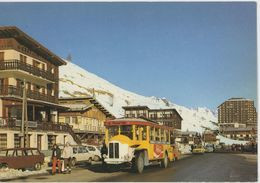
(56, 156)
(67, 155)
(104, 151)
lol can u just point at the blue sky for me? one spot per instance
(195, 54)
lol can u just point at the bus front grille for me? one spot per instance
(113, 150)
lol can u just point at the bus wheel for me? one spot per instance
(164, 162)
(139, 162)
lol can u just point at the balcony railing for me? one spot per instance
(18, 65)
(13, 123)
(45, 126)
(9, 90)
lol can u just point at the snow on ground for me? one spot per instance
(185, 148)
(75, 81)
(228, 141)
(13, 173)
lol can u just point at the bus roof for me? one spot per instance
(134, 121)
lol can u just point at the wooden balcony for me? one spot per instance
(18, 65)
(12, 123)
(10, 91)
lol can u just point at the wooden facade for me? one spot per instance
(87, 116)
(168, 117)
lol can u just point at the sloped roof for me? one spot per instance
(26, 40)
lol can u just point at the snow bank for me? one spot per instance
(229, 141)
(13, 173)
(185, 149)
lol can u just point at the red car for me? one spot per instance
(21, 158)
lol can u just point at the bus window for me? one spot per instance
(163, 139)
(144, 136)
(151, 133)
(112, 131)
(167, 135)
(127, 130)
(137, 133)
(157, 134)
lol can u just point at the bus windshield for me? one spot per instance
(113, 131)
(127, 130)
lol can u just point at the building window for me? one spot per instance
(3, 141)
(74, 120)
(67, 120)
(17, 141)
(51, 141)
(23, 58)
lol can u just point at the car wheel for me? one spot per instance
(37, 166)
(96, 158)
(90, 160)
(73, 162)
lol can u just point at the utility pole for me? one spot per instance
(24, 118)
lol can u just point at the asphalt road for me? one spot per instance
(213, 167)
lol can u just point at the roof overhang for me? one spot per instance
(26, 40)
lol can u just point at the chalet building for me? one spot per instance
(24, 62)
(189, 137)
(86, 115)
(239, 115)
(168, 117)
(209, 137)
(136, 111)
(241, 133)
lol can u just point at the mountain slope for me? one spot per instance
(75, 81)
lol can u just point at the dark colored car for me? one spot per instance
(21, 158)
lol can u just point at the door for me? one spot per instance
(39, 142)
(2, 56)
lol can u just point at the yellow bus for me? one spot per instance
(138, 142)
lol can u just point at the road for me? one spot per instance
(213, 167)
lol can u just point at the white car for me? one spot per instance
(209, 148)
(95, 151)
(81, 154)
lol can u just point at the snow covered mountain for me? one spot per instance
(76, 81)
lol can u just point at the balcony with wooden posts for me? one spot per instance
(13, 91)
(9, 65)
(12, 123)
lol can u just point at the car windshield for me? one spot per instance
(90, 148)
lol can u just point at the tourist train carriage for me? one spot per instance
(138, 142)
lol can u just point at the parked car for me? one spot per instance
(198, 150)
(95, 151)
(209, 148)
(81, 154)
(21, 158)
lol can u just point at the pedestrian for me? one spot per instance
(253, 147)
(104, 152)
(56, 156)
(242, 148)
(67, 155)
